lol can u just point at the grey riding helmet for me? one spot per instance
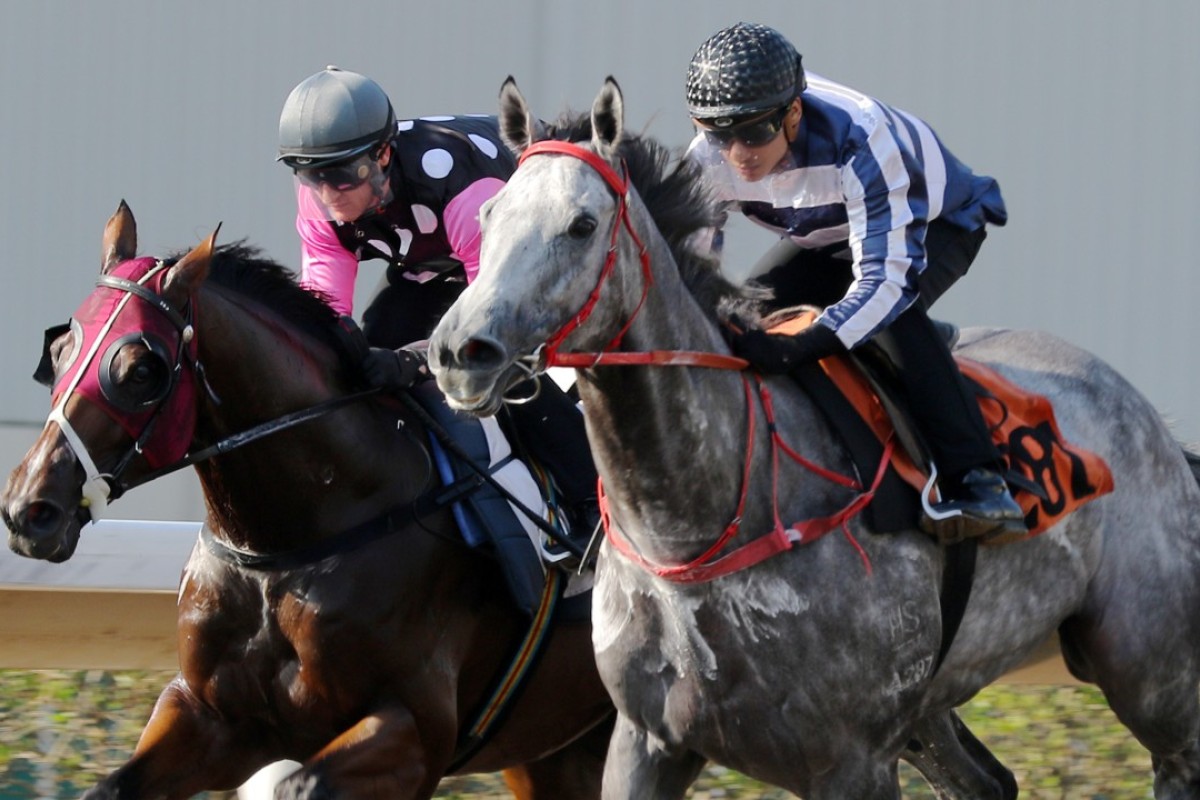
(333, 116)
(743, 70)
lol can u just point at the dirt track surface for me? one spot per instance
(44, 629)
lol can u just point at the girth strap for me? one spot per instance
(510, 683)
(895, 506)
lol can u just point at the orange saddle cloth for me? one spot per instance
(1023, 427)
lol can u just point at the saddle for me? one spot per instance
(857, 393)
(495, 514)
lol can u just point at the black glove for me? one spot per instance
(394, 369)
(776, 353)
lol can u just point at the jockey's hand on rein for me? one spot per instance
(394, 369)
(776, 353)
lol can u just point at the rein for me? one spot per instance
(709, 564)
(236, 440)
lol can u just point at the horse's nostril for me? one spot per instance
(480, 353)
(41, 517)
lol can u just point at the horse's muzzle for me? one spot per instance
(42, 512)
(474, 374)
(42, 530)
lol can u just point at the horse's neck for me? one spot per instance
(306, 482)
(672, 443)
(668, 432)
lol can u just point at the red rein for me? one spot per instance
(709, 564)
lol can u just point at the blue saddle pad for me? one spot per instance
(484, 515)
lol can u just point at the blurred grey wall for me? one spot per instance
(1085, 110)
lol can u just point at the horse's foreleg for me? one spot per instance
(640, 767)
(184, 749)
(1177, 777)
(956, 765)
(382, 756)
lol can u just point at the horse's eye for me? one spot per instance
(134, 372)
(581, 227)
(149, 371)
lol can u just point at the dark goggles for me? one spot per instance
(342, 177)
(754, 132)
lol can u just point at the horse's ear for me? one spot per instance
(190, 271)
(608, 118)
(120, 239)
(518, 128)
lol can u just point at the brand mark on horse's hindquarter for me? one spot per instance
(903, 623)
(910, 675)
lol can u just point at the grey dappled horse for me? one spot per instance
(805, 670)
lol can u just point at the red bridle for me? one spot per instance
(710, 564)
(551, 357)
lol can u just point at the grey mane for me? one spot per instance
(680, 203)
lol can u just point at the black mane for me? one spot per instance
(679, 203)
(244, 269)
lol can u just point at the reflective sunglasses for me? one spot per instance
(340, 177)
(754, 132)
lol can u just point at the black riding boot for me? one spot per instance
(975, 498)
(550, 428)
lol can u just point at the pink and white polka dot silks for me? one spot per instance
(442, 170)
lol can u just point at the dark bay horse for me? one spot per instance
(811, 668)
(362, 659)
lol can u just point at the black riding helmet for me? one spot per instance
(333, 116)
(741, 71)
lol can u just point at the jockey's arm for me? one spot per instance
(461, 218)
(885, 208)
(326, 267)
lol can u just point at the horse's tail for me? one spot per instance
(1193, 461)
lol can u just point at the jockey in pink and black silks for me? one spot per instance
(409, 195)
(875, 219)
(408, 192)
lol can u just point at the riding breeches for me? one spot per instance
(940, 400)
(944, 407)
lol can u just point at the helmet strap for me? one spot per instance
(792, 129)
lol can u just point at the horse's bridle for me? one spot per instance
(100, 488)
(714, 561)
(548, 354)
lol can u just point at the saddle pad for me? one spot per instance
(485, 516)
(1023, 427)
